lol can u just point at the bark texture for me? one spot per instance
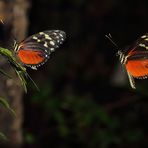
(14, 15)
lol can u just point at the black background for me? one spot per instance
(85, 98)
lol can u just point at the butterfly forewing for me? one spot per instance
(49, 39)
(140, 46)
(35, 50)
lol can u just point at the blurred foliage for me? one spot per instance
(29, 138)
(19, 69)
(5, 104)
(3, 137)
(78, 104)
(78, 120)
(22, 74)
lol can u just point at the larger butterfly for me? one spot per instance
(135, 60)
(36, 49)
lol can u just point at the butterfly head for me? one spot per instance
(122, 57)
(119, 53)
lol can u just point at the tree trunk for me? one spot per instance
(14, 15)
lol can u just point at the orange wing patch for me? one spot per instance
(137, 68)
(30, 57)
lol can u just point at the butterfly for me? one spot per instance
(36, 49)
(135, 60)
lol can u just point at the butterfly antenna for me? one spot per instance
(111, 40)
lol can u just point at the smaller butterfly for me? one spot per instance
(135, 59)
(36, 49)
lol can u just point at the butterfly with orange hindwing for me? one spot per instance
(135, 59)
(36, 49)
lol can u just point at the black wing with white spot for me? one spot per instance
(35, 50)
(141, 45)
(50, 39)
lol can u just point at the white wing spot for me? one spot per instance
(52, 43)
(38, 40)
(61, 35)
(33, 67)
(34, 37)
(47, 37)
(58, 41)
(41, 33)
(45, 44)
(142, 45)
(144, 36)
(57, 37)
(55, 33)
(52, 49)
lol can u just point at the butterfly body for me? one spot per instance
(135, 60)
(36, 49)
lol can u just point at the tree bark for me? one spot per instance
(14, 15)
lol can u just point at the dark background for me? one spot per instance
(85, 98)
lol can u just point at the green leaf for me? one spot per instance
(5, 74)
(30, 138)
(20, 69)
(6, 52)
(21, 77)
(27, 75)
(2, 136)
(7, 106)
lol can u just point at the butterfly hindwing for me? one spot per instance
(138, 68)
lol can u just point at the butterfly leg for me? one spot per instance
(131, 80)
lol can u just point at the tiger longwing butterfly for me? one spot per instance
(36, 49)
(135, 60)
